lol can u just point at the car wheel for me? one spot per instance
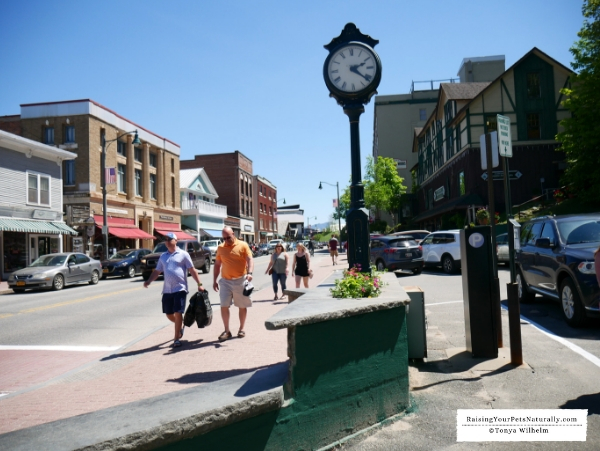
(417, 271)
(19, 290)
(523, 293)
(380, 265)
(58, 283)
(448, 264)
(146, 275)
(131, 271)
(571, 304)
(206, 267)
(95, 277)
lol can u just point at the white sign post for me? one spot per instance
(504, 136)
(495, 159)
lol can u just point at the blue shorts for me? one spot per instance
(174, 302)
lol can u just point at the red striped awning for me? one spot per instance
(178, 233)
(128, 233)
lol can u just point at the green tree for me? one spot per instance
(383, 185)
(580, 139)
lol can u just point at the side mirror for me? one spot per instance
(544, 243)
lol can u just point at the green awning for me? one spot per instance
(27, 226)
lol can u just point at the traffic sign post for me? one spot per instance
(504, 136)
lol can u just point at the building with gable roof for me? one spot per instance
(200, 213)
(451, 183)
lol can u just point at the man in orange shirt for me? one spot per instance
(235, 264)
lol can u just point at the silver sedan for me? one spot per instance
(56, 271)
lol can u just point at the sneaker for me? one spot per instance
(225, 336)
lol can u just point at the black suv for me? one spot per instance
(200, 256)
(556, 259)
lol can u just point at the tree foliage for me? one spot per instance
(383, 185)
(580, 139)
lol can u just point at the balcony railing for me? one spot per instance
(205, 208)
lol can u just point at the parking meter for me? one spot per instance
(478, 293)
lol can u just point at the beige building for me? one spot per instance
(144, 202)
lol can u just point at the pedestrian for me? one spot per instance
(175, 264)
(301, 265)
(597, 264)
(279, 265)
(235, 264)
(333, 246)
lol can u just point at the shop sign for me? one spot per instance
(248, 228)
(116, 210)
(165, 217)
(44, 214)
(439, 193)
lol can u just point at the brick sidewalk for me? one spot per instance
(150, 367)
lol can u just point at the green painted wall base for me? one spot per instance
(345, 375)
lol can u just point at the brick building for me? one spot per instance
(231, 175)
(266, 209)
(143, 204)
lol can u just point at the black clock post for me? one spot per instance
(352, 72)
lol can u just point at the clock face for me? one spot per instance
(352, 68)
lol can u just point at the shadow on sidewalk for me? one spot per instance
(431, 367)
(136, 352)
(589, 402)
(253, 385)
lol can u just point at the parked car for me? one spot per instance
(263, 248)
(397, 252)
(273, 243)
(442, 249)
(56, 271)
(502, 250)
(200, 256)
(556, 260)
(418, 235)
(125, 263)
(212, 246)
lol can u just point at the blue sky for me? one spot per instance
(247, 75)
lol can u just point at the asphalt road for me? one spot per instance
(112, 313)
(443, 288)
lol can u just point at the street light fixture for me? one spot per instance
(337, 185)
(105, 143)
(283, 201)
(308, 222)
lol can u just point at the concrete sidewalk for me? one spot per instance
(150, 367)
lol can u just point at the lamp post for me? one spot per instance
(337, 185)
(308, 222)
(105, 143)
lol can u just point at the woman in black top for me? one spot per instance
(301, 265)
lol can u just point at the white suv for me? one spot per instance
(442, 249)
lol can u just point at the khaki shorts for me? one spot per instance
(333, 253)
(231, 291)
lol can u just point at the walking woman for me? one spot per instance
(301, 265)
(279, 264)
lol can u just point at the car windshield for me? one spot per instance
(579, 231)
(123, 254)
(162, 247)
(50, 260)
(402, 243)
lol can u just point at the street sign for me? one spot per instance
(499, 175)
(504, 135)
(495, 159)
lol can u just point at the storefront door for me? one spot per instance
(42, 245)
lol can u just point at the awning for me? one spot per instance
(170, 226)
(247, 233)
(211, 233)
(116, 222)
(178, 233)
(127, 233)
(28, 226)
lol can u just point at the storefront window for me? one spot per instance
(14, 247)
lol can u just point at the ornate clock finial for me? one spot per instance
(351, 33)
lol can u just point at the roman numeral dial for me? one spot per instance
(352, 68)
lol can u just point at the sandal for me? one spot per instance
(225, 336)
(241, 334)
(275, 298)
(176, 344)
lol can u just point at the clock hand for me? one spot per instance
(356, 71)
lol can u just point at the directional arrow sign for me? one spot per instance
(499, 175)
(504, 136)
